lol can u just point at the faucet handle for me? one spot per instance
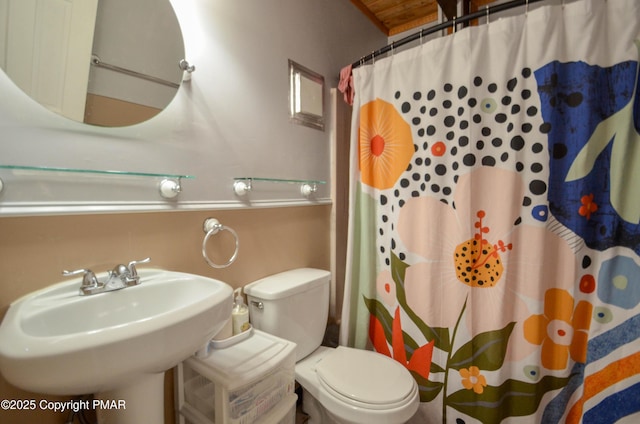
(88, 280)
(119, 271)
(132, 266)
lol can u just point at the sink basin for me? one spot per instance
(54, 341)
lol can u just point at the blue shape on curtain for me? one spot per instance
(575, 97)
(598, 348)
(626, 294)
(540, 213)
(556, 408)
(614, 407)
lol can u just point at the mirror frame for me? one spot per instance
(299, 98)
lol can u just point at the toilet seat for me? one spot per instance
(365, 379)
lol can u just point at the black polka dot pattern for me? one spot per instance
(458, 128)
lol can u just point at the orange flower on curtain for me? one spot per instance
(472, 379)
(420, 361)
(588, 206)
(561, 330)
(385, 144)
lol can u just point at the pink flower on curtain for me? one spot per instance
(561, 330)
(420, 361)
(522, 259)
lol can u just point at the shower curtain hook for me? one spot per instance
(454, 24)
(526, 8)
(486, 7)
(392, 44)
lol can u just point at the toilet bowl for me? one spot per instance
(356, 386)
(340, 385)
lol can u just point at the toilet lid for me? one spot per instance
(365, 376)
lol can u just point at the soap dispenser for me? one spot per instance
(239, 314)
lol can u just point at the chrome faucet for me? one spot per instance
(119, 277)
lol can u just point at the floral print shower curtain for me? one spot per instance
(495, 217)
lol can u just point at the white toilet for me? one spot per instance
(340, 385)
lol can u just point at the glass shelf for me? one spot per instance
(94, 171)
(279, 180)
(169, 188)
(243, 185)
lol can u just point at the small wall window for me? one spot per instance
(306, 96)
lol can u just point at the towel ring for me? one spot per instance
(212, 226)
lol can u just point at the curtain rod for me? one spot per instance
(426, 31)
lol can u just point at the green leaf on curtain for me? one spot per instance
(485, 351)
(620, 130)
(427, 389)
(511, 399)
(378, 310)
(398, 269)
(435, 368)
(440, 335)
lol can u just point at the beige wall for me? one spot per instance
(35, 250)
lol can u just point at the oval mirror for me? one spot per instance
(109, 63)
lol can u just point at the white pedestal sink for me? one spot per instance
(117, 344)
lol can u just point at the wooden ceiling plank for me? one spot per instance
(406, 26)
(372, 17)
(413, 6)
(401, 14)
(379, 5)
(395, 16)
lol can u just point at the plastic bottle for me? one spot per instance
(239, 314)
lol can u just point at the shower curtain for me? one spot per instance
(495, 217)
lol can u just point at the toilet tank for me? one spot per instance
(293, 305)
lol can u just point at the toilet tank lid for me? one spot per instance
(287, 283)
